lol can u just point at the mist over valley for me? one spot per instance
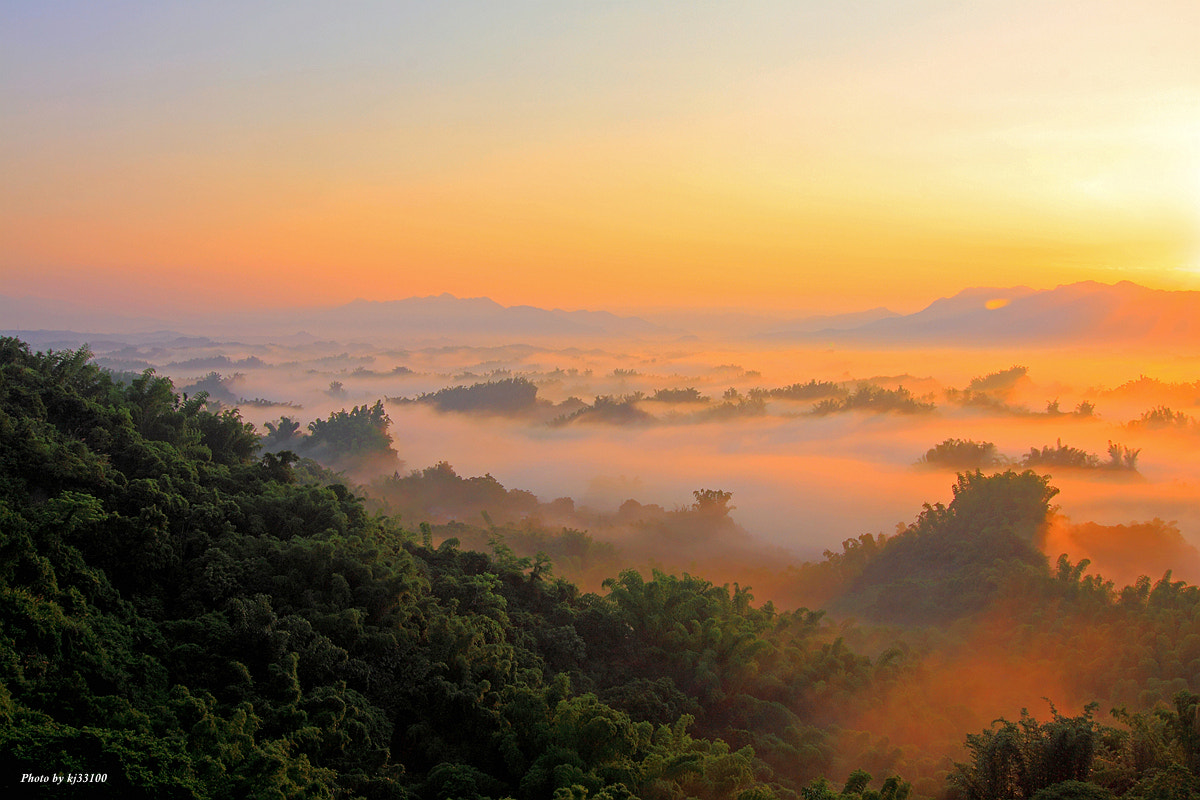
(877, 518)
(819, 438)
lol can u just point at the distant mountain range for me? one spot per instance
(1077, 313)
(445, 315)
(441, 318)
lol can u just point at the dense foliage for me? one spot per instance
(962, 454)
(507, 396)
(186, 618)
(193, 619)
(967, 454)
(875, 398)
(1064, 456)
(357, 439)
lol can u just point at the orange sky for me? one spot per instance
(811, 156)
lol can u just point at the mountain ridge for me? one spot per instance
(1086, 312)
(1075, 313)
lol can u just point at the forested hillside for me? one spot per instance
(188, 618)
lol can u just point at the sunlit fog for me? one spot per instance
(606, 421)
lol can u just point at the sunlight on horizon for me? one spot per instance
(789, 156)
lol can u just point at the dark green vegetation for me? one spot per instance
(355, 439)
(958, 454)
(1149, 757)
(195, 620)
(508, 396)
(954, 559)
(186, 618)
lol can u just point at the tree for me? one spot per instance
(712, 502)
(1122, 457)
(1020, 759)
(954, 558)
(962, 454)
(351, 438)
(281, 434)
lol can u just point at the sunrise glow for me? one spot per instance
(790, 155)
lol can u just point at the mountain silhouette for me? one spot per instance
(1078, 313)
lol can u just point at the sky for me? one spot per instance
(815, 156)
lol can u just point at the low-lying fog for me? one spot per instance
(799, 480)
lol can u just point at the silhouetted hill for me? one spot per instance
(772, 324)
(448, 318)
(22, 315)
(1079, 313)
(441, 317)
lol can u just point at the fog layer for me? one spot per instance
(689, 415)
